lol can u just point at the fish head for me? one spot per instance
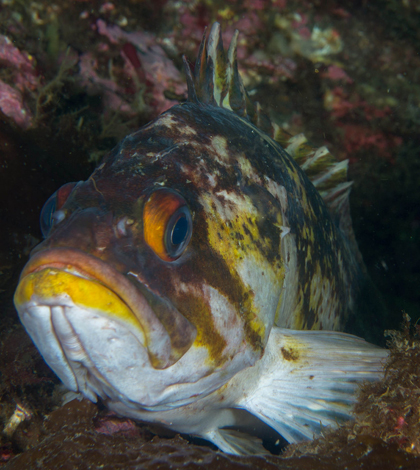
(160, 276)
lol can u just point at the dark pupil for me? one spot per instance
(46, 219)
(180, 231)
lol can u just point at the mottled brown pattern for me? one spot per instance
(289, 354)
(162, 154)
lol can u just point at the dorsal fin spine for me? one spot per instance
(235, 98)
(200, 63)
(192, 96)
(216, 55)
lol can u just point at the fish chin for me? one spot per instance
(98, 350)
(90, 352)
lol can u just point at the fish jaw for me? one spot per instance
(158, 341)
(64, 332)
(105, 341)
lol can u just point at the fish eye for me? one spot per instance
(50, 212)
(177, 232)
(46, 219)
(167, 224)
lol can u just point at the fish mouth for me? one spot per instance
(66, 298)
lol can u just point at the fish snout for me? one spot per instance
(91, 230)
(83, 314)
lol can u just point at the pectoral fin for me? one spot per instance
(309, 380)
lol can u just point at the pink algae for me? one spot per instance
(354, 116)
(20, 63)
(153, 68)
(19, 71)
(12, 105)
(337, 73)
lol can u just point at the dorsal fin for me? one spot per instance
(216, 81)
(328, 175)
(216, 78)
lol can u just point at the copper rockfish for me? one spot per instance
(181, 283)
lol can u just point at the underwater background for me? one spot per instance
(77, 76)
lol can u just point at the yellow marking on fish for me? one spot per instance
(277, 191)
(305, 204)
(318, 284)
(186, 130)
(293, 350)
(308, 255)
(307, 233)
(232, 241)
(94, 184)
(289, 354)
(293, 173)
(168, 121)
(232, 232)
(51, 283)
(248, 170)
(171, 122)
(220, 146)
(299, 314)
(198, 312)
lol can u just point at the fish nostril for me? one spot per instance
(122, 224)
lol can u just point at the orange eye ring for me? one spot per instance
(167, 224)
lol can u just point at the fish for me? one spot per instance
(201, 278)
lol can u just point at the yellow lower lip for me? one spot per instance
(49, 284)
